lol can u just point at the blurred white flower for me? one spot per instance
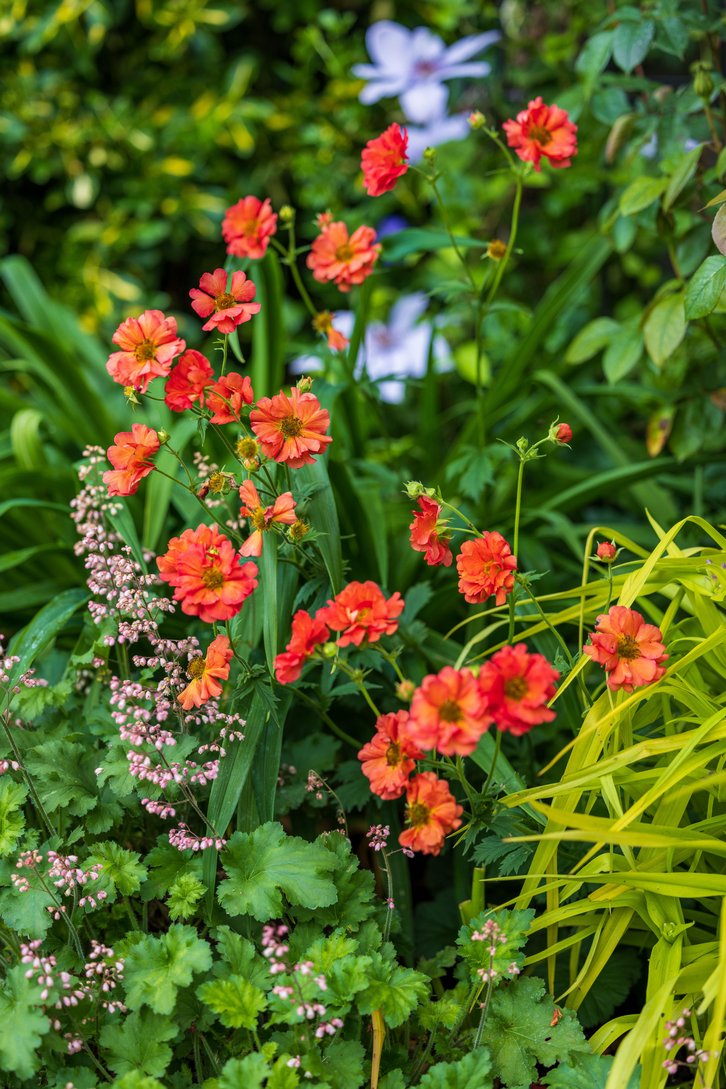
(391, 351)
(414, 64)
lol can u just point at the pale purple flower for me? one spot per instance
(413, 64)
(391, 351)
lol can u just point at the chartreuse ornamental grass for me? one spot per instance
(371, 728)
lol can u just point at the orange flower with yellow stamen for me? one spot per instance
(206, 673)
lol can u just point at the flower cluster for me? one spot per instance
(360, 613)
(299, 986)
(675, 1040)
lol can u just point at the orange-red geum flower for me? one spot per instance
(346, 260)
(630, 650)
(384, 160)
(360, 611)
(518, 686)
(426, 533)
(226, 307)
(323, 323)
(261, 518)
(431, 813)
(188, 381)
(448, 712)
(130, 459)
(248, 226)
(206, 673)
(291, 429)
(390, 756)
(308, 632)
(148, 345)
(205, 571)
(542, 130)
(486, 566)
(226, 396)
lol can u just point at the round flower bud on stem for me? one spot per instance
(606, 551)
(477, 120)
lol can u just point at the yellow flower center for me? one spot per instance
(247, 448)
(257, 518)
(291, 427)
(393, 755)
(515, 688)
(213, 578)
(145, 351)
(223, 302)
(628, 647)
(196, 668)
(418, 814)
(344, 252)
(450, 711)
(217, 483)
(539, 133)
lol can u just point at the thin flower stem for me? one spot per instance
(483, 1018)
(389, 882)
(40, 808)
(515, 540)
(328, 720)
(463, 517)
(392, 661)
(449, 231)
(290, 259)
(547, 621)
(224, 353)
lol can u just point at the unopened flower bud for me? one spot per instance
(522, 445)
(560, 433)
(203, 492)
(606, 551)
(477, 120)
(496, 249)
(287, 213)
(429, 155)
(251, 464)
(414, 488)
(305, 383)
(702, 81)
(405, 690)
(298, 530)
(163, 437)
(329, 650)
(324, 219)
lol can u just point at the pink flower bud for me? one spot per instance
(606, 551)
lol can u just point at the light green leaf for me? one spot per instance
(595, 336)
(23, 1024)
(631, 42)
(640, 194)
(266, 863)
(12, 819)
(42, 629)
(138, 1045)
(705, 288)
(520, 1034)
(121, 867)
(623, 353)
(184, 895)
(392, 989)
(471, 1072)
(665, 328)
(157, 967)
(681, 176)
(236, 1001)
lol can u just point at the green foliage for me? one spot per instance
(23, 1023)
(236, 1002)
(139, 1044)
(474, 1071)
(265, 864)
(520, 1033)
(12, 819)
(157, 967)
